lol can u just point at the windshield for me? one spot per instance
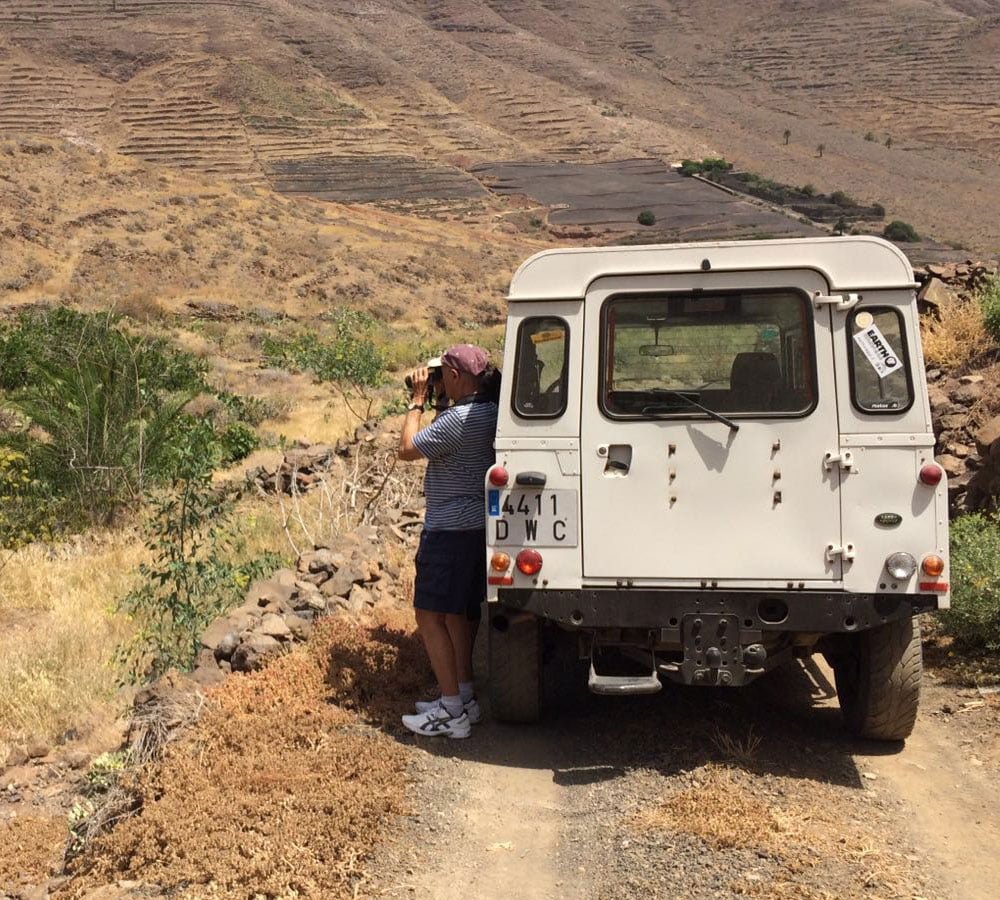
(732, 353)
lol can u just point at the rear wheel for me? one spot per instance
(878, 680)
(515, 650)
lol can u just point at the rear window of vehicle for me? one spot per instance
(540, 368)
(880, 372)
(733, 353)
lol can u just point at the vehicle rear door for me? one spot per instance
(670, 493)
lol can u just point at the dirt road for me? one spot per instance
(702, 794)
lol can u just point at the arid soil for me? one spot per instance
(894, 102)
(752, 793)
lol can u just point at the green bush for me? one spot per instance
(989, 297)
(974, 617)
(195, 573)
(103, 406)
(840, 198)
(351, 357)
(237, 440)
(646, 217)
(709, 166)
(808, 189)
(900, 231)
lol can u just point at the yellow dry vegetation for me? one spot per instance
(799, 826)
(957, 336)
(276, 791)
(58, 632)
(29, 847)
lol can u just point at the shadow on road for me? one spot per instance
(787, 723)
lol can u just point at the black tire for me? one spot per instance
(878, 681)
(515, 682)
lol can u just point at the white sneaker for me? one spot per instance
(472, 709)
(437, 723)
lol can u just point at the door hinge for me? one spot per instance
(842, 302)
(844, 459)
(845, 551)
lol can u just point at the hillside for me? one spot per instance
(396, 102)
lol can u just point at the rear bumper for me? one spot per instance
(814, 612)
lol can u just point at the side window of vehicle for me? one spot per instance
(881, 381)
(541, 368)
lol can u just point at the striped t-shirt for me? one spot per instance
(458, 445)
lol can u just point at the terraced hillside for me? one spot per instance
(360, 101)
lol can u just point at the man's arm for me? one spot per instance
(411, 424)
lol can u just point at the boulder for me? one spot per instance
(360, 598)
(16, 756)
(933, 294)
(971, 379)
(325, 560)
(967, 394)
(300, 628)
(254, 652)
(36, 747)
(274, 626)
(340, 584)
(988, 438)
(272, 591)
(952, 465)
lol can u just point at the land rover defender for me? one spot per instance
(713, 458)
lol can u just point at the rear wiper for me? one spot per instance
(690, 401)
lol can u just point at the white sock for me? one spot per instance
(452, 705)
(466, 690)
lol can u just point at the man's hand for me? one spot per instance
(411, 424)
(419, 377)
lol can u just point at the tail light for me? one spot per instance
(498, 476)
(931, 473)
(529, 562)
(933, 566)
(500, 562)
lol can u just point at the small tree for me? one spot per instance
(897, 230)
(646, 217)
(819, 150)
(787, 135)
(888, 142)
(841, 226)
(869, 136)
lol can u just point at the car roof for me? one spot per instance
(853, 263)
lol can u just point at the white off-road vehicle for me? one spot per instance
(713, 458)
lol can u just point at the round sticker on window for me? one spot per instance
(863, 320)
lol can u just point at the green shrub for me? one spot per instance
(989, 297)
(238, 440)
(646, 217)
(26, 512)
(351, 357)
(900, 231)
(709, 166)
(251, 410)
(840, 198)
(103, 406)
(194, 575)
(974, 617)
(808, 189)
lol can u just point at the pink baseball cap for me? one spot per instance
(466, 358)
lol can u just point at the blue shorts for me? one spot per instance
(451, 572)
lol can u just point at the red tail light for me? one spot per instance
(498, 476)
(931, 473)
(529, 562)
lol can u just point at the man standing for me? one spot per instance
(450, 582)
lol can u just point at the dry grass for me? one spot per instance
(29, 846)
(275, 792)
(58, 631)
(957, 337)
(800, 825)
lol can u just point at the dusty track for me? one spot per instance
(552, 811)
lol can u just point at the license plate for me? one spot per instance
(532, 518)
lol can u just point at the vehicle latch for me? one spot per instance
(842, 302)
(844, 459)
(845, 551)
